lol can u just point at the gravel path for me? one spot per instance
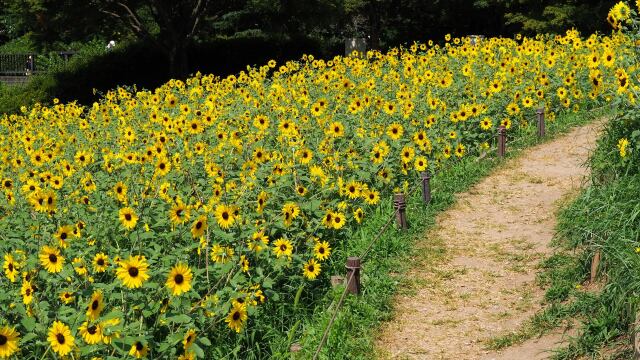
(493, 239)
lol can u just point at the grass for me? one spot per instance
(385, 270)
(604, 218)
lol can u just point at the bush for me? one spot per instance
(143, 65)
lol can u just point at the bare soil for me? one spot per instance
(493, 238)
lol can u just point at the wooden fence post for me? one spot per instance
(541, 128)
(400, 205)
(353, 275)
(426, 186)
(502, 141)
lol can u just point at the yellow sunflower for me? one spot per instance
(199, 226)
(60, 338)
(139, 350)
(133, 271)
(10, 267)
(128, 218)
(311, 269)
(237, 317)
(66, 297)
(63, 235)
(225, 216)
(100, 262)
(189, 339)
(338, 220)
(179, 279)
(120, 191)
(290, 211)
(9, 341)
(96, 305)
(282, 247)
(179, 213)
(51, 260)
(27, 291)
(91, 334)
(322, 250)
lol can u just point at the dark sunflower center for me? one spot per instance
(92, 329)
(127, 217)
(236, 316)
(53, 258)
(179, 279)
(179, 212)
(94, 305)
(49, 200)
(311, 268)
(10, 267)
(133, 271)
(100, 262)
(63, 236)
(283, 247)
(139, 346)
(61, 339)
(337, 219)
(3, 339)
(162, 166)
(225, 215)
(321, 250)
(198, 225)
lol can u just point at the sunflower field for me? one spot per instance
(164, 223)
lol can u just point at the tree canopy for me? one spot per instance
(171, 26)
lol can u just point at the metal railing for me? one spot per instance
(27, 63)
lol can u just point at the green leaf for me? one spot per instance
(297, 298)
(28, 337)
(179, 319)
(29, 323)
(205, 341)
(267, 283)
(198, 350)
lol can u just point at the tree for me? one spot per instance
(170, 25)
(552, 16)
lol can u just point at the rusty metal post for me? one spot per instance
(400, 206)
(426, 186)
(502, 141)
(353, 275)
(541, 129)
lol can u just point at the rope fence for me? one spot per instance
(353, 264)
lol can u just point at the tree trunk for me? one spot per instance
(374, 25)
(178, 60)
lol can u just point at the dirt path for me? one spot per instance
(493, 239)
